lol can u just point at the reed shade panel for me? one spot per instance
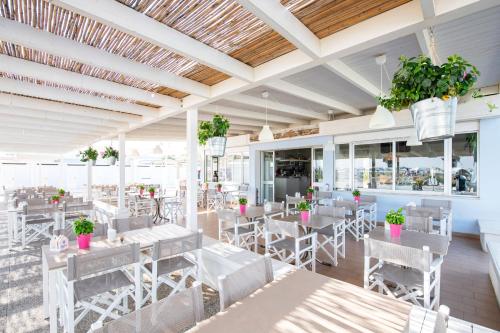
(45, 16)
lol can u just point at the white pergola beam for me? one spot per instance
(174, 123)
(276, 106)
(22, 34)
(44, 134)
(425, 43)
(229, 111)
(285, 23)
(20, 124)
(66, 109)
(128, 20)
(347, 73)
(61, 95)
(428, 8)
(27, 148)
(19, 139)
(53, 74)
(309, 95)
(242, 121)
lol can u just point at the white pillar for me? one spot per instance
(192, 169)
(121, 183)
(89, 180)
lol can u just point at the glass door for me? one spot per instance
(267, 176)
(317, 174)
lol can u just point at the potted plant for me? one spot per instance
(151, 191)
(61, 192)
(430, 92)
(141, 189)
(396, 220)
(110, 154)
(310, 192)
(304, 208)
(214, 134)
(418, 185)
(55, 199)
(243, 205)
(219, 187)
(357, 196)
(83, 229)
(90, 154)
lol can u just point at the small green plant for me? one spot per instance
(141, 187)
(61, 192)
(82, 226)
(418, 78)
(356, 193)
(310, 190)
(55, 198)
(90, 154)
(110, 152)
(218, 127)
(395, 217)
(243, 201)
(303, 206)
(151, 190)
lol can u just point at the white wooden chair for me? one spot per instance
(291, 204)
(237, 230)
(354, 218)
(441, 323)
(36, 224)
(215, 200)
(274, 206)
(445, 216)
(169, 256)
(132, 223)
(371, 211)
(414, 272)
(99, 282)
(244, 281)
(332, 236)
(283, 241)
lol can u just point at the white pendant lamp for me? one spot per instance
(413, 141)
(135, 153)
(266, 134)
(382, 118)
(157, 150)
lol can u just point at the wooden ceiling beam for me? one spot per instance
(312, 96)
(22, 34)
(276, 106)
(285, 23)
(48, 73)
(128, 20)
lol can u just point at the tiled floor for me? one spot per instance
(465, 283)
(466, 287)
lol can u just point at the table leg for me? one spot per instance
(45, 286)
(53, 301)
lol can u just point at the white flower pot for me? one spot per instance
(217, 146)
(111, 160)
(434, 118)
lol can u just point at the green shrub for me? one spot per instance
(82, 226)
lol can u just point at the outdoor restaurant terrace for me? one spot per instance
(253, 166)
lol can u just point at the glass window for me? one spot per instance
(246, 170)
(342, 177)
(318, 165)
(420, 168)
(221, 162)
(229, 168)
(464, 164)
(208, 168)
(237, 169)
(373, 166)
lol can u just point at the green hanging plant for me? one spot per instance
(218, 127)
(110, 152)
(90, 154)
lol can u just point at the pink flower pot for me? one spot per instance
(304, 215)
(151, 195)
(309, 195)
(219, 189)
(84, 241)
(55, 202)
(357, 199)
(141, 192)
(396, 230)
(243, 209)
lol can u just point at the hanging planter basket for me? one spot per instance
(434, 118)
(217, 146)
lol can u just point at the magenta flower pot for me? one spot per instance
(84, 241)
(357, 199)
(152, 195)
(243, 209)
(141, 192)
(304, 215)
(309, 195)
(396, 230)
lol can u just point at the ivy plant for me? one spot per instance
(218, 127)
(151, 190)
(90, 154)
(303, 206)
(61, 191)
(243, 201)
(356, 193)
(83, 226)
(110, 152)
(395, 217)
(418, 78)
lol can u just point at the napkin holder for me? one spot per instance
(59, 243)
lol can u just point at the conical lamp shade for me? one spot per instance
(382, 118)
(158, 150)
(413, 141)
(266, 134)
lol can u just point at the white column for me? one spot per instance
(192, 169)
(121, 183)
(89, 180)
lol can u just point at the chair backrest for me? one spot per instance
(227, 217)
(132, 223)
(331, 211)
(244, 281)
(441, 323)
(368, 198)
(292, 200)
(324, 195)
(282, 228)
(418, 223)
(350, 207)
(103, 260)
(175, 246)
(175, 313)
(76, 207)
(243, 187)
(400, 255)
(36, 201)
(434, 212)
(446, 204)
(277, 205)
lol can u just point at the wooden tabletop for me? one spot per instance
(253, 212)
(437, 244)
(145, 237)
(315, 221)
(303, 301)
